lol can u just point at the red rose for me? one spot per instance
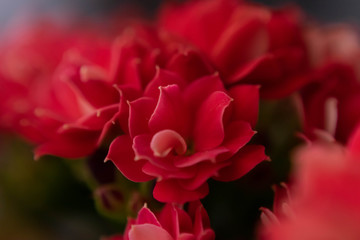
(248, 43)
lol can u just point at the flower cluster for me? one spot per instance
(176, 101)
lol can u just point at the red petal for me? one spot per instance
(171, 191)
(205, 171)
(209, 129)
(165, 141)
(242, 162)
(73, 142)
(180, 63)
(246, 103)
(148, 232)
(199, 214)
(285, 87)
(141, 146)
(122, 155)
(281, 196)
(124, 67)
(210, 155)
(185, 221)
(354, 142)
(258, 71)
(69, 96)
(197, 91)
(163, 173)
(99, 118)
(92, 86)
(162, 78)
(208, 234)
(170, 112)
(237, 134)
(238, 44)
(169, 220)
(140, 112)
(127, 94)
(186, 236)
(201, 222)
(147, 216)
(188, 20)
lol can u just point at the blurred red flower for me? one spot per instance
(332, 95)
(248, 43)
(324, 200)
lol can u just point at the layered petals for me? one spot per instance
(329, 101)
(248, 43)
(121, 146)
(172, 223)
(209, 129)
(194, 132)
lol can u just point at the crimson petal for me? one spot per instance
(246, 103)
(209, 129)
(162, 78)
(171, 191)
(73, 142)
(122, 155)
(140, 112)
(170, 111)
(242, 162)
(237, 134)
(148, 232)
(147, 216)
(205, 171)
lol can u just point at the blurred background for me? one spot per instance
(322, 10)
(48, 200)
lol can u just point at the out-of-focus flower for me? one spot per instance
(330, 102)
(338, 43)
(332, 96)
(248, 43)
(324, 200)
(34, 102)
(172, 223)
(183, 133)
(75, 102)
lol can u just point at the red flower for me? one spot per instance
(172, 223)
(324, 200)
(103, 91)
(32, 99)
(333, 92)
(330, 101)
(26, 66)
(248, 43)
(182, 133)
(69, 99)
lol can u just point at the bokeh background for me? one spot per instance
(322, 10)
(49, 199)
